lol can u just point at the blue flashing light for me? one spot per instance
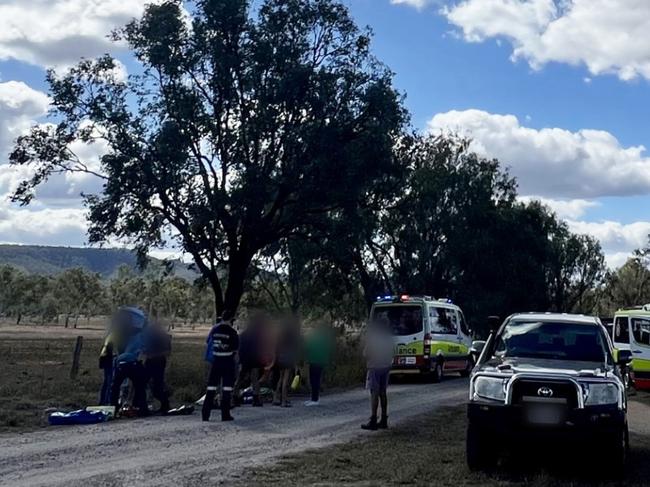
(385, 298)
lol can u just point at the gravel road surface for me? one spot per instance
(185, 451)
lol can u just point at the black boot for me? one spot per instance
(383, 423)
(370, 425)
(225, 406)
(257, 402)
(208, 402)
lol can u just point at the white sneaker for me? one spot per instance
(312, 403)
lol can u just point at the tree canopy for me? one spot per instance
(242, 125)
(266, 141)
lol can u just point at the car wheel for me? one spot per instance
(438, 372)
(479, 454)
(468, 369)
(619, 447)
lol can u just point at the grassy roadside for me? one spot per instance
(430, 450)
(34, 377)
(35, 367)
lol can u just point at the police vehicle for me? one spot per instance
(632, 332)
(431, 335)
(547, 377)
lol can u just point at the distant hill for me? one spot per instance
(34, 259)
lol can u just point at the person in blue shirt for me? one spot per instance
(221, 352)
(128, 363)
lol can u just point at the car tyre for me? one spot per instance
(619, 448)
(479, 454)
(438, 372)
(469, 368)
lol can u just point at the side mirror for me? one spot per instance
(624, 357)
(477, 347)
(493, 323)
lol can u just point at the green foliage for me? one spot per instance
(448, 225)
(77, 292)
(627, 286)
(235, 132)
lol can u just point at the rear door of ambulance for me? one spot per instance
(407, 325)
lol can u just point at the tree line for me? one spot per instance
(77, 294)
(266, 141)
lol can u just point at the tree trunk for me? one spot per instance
(237, 268)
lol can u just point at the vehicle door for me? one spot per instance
(621, 334)
(450, 338)
(640, 347)
(465, 335)
(407, 326)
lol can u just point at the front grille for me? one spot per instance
(525, 390)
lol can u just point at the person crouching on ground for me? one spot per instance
(128, 364)
(378, 351)
(250, 357)
(318, 353)
(286, 358)
(222, 347)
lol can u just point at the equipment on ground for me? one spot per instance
(81, 416)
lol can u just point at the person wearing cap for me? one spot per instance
(128, 364)
(222, 347)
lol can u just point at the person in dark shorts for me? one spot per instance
(378, 351)
(286, 359)
(251, 345)
(222, 346)
(318, 354)
(158, 348)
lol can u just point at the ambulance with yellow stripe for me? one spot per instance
(431, 335)
(631, 331)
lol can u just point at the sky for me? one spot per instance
(557, 90)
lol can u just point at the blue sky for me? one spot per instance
(558, 90)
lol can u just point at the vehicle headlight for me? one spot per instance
(599, 394)
(490, 388)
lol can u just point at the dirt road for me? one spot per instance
(185, 451)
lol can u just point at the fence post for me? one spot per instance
(75, 358)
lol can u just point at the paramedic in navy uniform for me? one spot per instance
(223, 343)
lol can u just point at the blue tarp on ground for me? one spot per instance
(77, 417)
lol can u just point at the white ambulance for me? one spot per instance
(431, 335)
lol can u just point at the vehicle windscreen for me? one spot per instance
(404, 319)
(548, 340)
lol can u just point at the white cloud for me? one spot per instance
(565, 209)
(20, 105)
(419, 4)
(604, 35)
(553, 162)
(618, 240)
(59, 32)
(65, 226)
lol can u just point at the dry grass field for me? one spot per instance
(35, 364)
